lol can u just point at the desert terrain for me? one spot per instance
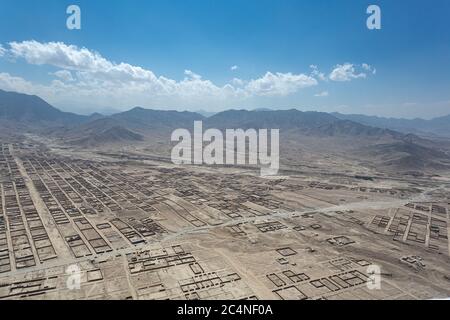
(108, 205)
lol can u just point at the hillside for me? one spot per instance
(34, 111)
(148, 119)
(113, 135)
(438, 126)
(404, 156)
(317, 133)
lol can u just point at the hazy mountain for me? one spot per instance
(281, 119)
(132, 125)
(438, 126)
(205, 113)
(324, 134)
(99, 132)
(318, 132)
(33, 111)
(148, 119)
(404, 156)
(262, 109)
(111, 135)
(309, 123)
(95, 116)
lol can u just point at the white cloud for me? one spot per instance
(2, 51)
(71, 57)
(369, 68)
(96, 74)
(316, 73)
(237, 82)
(8, 82)
(322, 94)
(65, 75)
(345, 72)
(86, 77)
(191, 75)
(18, 84)
(234, 68)
(279, 84)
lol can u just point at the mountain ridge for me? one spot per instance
(33, 110)
(319, 132)
(439, 126)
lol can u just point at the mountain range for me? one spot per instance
(437, 127)
(34, 111)
(380, 141)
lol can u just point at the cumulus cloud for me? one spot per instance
(65, 75)
(96, 73)
(2, 51)
(322, 94)
(369, 68)
(280, 84)
(8, 82)
(191, 75)
(346, 72)
(317, 74)
(237, 82)
(71, 57)
(85, 76)
(233, 68)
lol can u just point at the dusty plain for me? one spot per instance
(136, 227)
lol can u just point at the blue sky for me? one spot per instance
(310, 55)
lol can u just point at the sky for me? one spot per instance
(214, 55)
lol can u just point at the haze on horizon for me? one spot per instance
(213, 56)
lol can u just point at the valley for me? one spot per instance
(94, 208)
(158, 231)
